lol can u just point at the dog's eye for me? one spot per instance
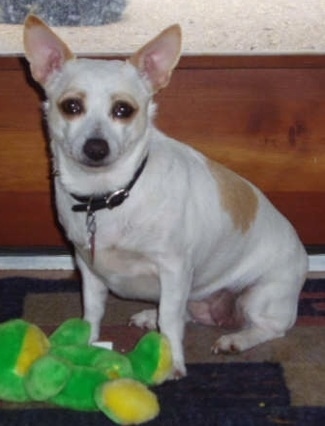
(122, 110)
(72, 106)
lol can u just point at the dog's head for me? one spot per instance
(98, 110)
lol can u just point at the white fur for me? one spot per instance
(172, 240)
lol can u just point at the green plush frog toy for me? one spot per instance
(65, 370)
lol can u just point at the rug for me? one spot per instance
(262, 386)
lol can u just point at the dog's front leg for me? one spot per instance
(94, 295)
(175, 281)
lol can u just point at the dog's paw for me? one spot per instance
(145, 319)
(230, 343)
(243, 340)
(179, 372)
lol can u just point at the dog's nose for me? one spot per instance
(96, 149)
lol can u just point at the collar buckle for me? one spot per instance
(116, 198)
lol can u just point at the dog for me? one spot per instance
(151, 218)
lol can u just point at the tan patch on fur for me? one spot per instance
(237, 196)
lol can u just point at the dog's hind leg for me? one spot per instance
(94, 295)
(269, 311)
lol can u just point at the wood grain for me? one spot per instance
(29, 220)
(268, 125)
(261, 116)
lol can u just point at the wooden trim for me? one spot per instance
(302, 61)
(253, 61)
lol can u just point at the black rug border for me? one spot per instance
(273, 416)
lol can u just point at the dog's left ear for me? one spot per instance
(157, 59)
(45, 51)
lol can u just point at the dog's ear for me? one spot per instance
(157, 59)
(44, 50)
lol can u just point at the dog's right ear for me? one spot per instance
(44, 50)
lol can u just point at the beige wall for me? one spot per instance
(209, 27)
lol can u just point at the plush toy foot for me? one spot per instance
(127, 402)
(58, 381)
(74, 331)
(21, 344)
(46, 378)
(151, 359)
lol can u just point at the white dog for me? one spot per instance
(150, 217)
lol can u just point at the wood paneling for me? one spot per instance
(28, 220)
(268, 125)
(261, 116)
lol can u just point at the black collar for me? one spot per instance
(110, 200)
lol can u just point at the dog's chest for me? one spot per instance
(113, 247)
(122, 262)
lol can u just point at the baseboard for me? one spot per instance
(317, 263)
(66, 262)
(37, 262)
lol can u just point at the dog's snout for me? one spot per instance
(96, 149)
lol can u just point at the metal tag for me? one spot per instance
(91, 231)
